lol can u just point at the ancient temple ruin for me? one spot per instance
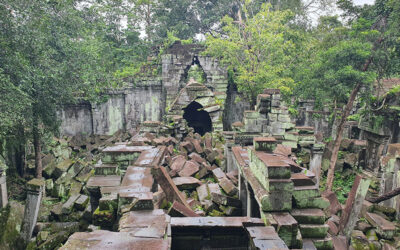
(173, 163)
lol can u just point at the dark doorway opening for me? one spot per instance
(197, 118)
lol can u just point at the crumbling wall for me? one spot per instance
(144, 102)
(109, 117)
(76, 119)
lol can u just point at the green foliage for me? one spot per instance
(355, 117)
(260, 51)
(341, 186)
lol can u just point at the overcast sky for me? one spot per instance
(361, 2)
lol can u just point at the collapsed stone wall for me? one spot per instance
(123, 110)
(147, 98)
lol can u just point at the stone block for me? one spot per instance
(179, 210)
(69, 204)
(266, 144)
(218, 173)
(309, 216)
(287, 227)
(318, 202)
(225, 200)
(305, 192)
(108, 202)
(106, 169)
(103, 218)
(186, 183)
(314, 231)
(61, 168)
(227, 186)
(384, 228)
(281, 185)
(81, 202)
(189, 169)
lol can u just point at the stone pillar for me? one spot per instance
(229, 156)
(353, 206)
(3, 189)
(35, 189)
(316, 161)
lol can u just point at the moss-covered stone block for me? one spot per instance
(305, 192)
(323, 244)
(318, 202)
(314, 231)
(285, 185)
(104, 218)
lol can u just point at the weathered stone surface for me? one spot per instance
(314, 231)
(188, 146)
(287, 227)
(189, 169)
(216, 222)
(106, 169)
(267, 144)
(384, 228)
(177, 164)
(218, 173)
(203, 192)
(113, 240)
(82, 202)
(233, 176)
(69, 204)
(61, 168)
(103, 218)
(171, 191)
(227, 186)
(179, 210)
(196, 157)
(155, 221)
(225, 200)
(108, 202)
(309, 216)
(353, 205)
(333, 229)
(300, 179)
(184, 183)
(334, 206)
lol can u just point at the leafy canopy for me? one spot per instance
(259, 50)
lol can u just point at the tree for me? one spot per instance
(50, 58)
(260, 50)
(350, 58)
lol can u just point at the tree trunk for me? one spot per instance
(37, 147)
(346, 113)
(339, 134)
(386, 196)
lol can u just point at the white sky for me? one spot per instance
(361, 2)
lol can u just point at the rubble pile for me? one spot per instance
(67, 167)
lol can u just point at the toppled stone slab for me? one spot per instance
(225, 200)
(82, 202)
(179, 210)
(151, 157)
(190, 168)
(227, 186)
(184, 183)
(213, 222)
(146, 224)
(384, 228)
(265, 238)
(171, 191)
(69, 204)
(113, 240)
